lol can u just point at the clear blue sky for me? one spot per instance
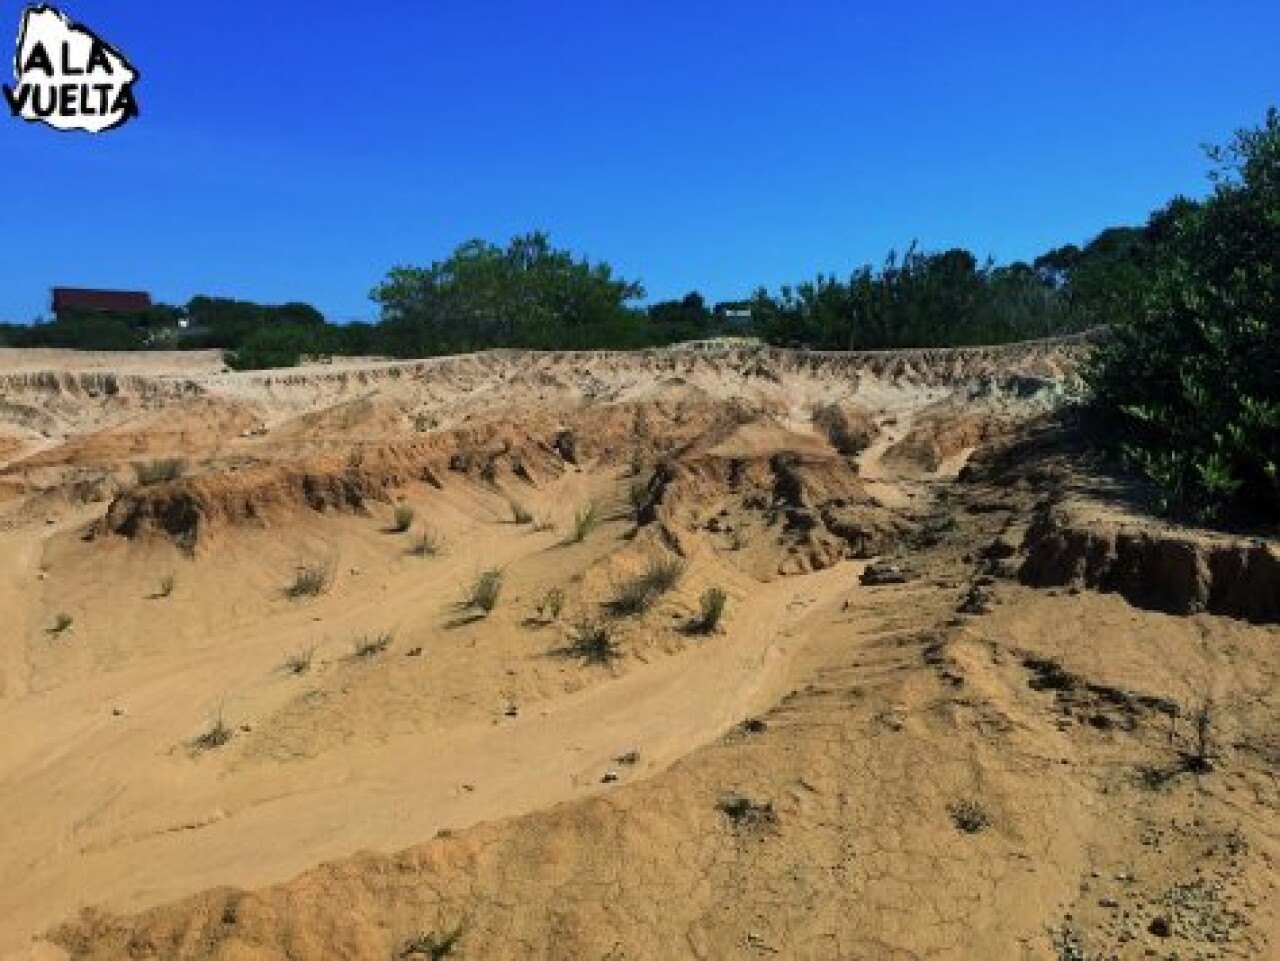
(296, 151)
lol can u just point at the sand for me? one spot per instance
(962, 765)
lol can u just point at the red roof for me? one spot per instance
(75, 298)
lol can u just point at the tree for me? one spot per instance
(1190, 383)
(528, 294)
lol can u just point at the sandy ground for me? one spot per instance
(953, 766)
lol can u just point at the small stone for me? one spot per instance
(1159, 926)
(610, 777)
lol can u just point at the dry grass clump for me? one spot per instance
(61, 624)
(216, 736)
(430, 946)
(159, 471)
(519, 513)
(426, 544)
(552, 604)
(310, 580)
(371, 645)
(167, 584)
(299, 662)
(968, 816)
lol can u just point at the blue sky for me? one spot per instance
(296, 151)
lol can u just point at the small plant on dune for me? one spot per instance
(61, 624)
(217, 734)
(427, 544)
(310, 580)
(542, 524)
(638, 498)
(371, 645)
(519, 513)
(710, 610)
(738, 540)
(159, 471)
(403, 518)
(552, 604)
(300, 662)
(593, 641)
(637, 594)
(430, 946)
(167, 584)
(968, 816)
(585, 520)
(485, 591)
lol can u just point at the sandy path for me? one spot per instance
(199, 826)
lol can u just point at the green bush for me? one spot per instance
(1193, 383)
(637, 594)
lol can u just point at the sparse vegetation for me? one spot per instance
(542, 524)
(61, 624)
(638, 593)
(216, 735)
(371, 645)
(300, 662)
(430, 946)
(710, 610)
(585, 520)
(1199, 755)
(402, 520)
(310, 580)
(520, 514)
(426, 544)
(968, 816)
(485, 591)
(552, 604)
(593, 640)
(159, 471)
(738, 539)
(638, 498)
(167, 584)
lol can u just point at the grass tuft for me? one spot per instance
(427, 544)
(310, 580)
(585, 520)
(594, 641)
(61, 624)
(159, 471)
(485, 591)
(403, 518)
(519, 513)
(371, 645)
(638, 594)
(710, 610)
(299, 663)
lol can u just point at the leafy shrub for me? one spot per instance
(403, 518)
(159, 471)
(485, 591)
(711, 610)
(1191, 384)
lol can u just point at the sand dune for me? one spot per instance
(977, 751)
